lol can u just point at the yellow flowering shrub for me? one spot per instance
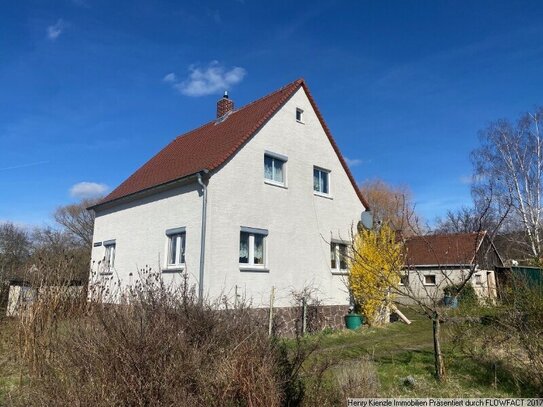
(376, 262)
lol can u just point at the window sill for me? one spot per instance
(322, 195)
(300, 121)
(275, 184)
(173, 269)
(429, 285)
(340, 272)
(260, 269)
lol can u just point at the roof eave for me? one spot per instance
(188, 179)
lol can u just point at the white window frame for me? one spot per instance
(337, 257)
(251, 266)
(430, 275)
(180, 236)
(478, 279)
(323, 171)
(110, 249)
(276, 157)
(300, 112)
(406, 276)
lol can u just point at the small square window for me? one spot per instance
(478, 279)
(299, 115)
(430, 279)
(321, 180)
(404, 280)
(338, 257)
(252, 247)
(274, 169)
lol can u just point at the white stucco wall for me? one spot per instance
(485, 288)
(139, 228)
(300, 224)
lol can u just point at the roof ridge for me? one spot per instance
(297, 82)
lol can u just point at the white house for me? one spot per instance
(258, 197)
(434, 262)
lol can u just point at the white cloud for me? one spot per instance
(83, 190)
(471, 179)
(171, 77)
(353, 162)
(212, 79)
(54, 31)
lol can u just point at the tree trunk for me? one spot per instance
(438, 355)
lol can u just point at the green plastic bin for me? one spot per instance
(353, 321)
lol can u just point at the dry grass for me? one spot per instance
(160, 346)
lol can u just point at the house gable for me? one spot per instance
(299, 222)
(208, 147)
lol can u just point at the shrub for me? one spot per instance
(467, 296)
(159, 346)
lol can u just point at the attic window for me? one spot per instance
(299, 115)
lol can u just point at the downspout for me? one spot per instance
(202, 235)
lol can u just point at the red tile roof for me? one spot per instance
(443, 249)
(211, 145)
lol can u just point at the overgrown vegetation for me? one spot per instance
(159, 346)
(509, 336)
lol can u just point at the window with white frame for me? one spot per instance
(275, 168)
(299, 115)
(338, 256)
(176, 247)
(321, 180)
(109, 256)
(252, 247)
(404, 279)
(478, 279)
(430, 279)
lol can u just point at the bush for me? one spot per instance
(160, 346)
(467, 296)
(509, 336)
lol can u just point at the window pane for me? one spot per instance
(244, 247)
(183, 248)
(110, 255)
(173, 249)
(316, 182)
(278, 170)
(342, 257)
(324, 182)
(112, 261)
(268, 167)
(259, 249)
(333, 263)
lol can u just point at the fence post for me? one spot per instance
(304, 315)
(270, 323)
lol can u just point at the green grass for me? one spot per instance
(399, 350)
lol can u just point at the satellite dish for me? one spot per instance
(367, 219)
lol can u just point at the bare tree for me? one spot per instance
(430, 303)
(465, 220)
(77, 220)
(509, 165)
(15, 247)
(390, 204)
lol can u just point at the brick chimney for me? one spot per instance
(224, 105)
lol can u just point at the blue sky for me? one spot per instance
(91, 89)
